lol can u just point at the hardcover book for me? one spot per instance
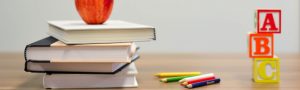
(77, 32)
(52, 56)
(51, 50)
(125, 78)
(69, 68)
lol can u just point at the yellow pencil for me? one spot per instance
(175, 74)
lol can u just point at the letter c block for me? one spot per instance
(266, 70)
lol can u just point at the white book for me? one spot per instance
(54, 51)
(94, 68)
(77, 32)
(125, 78)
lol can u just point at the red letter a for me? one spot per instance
(269, 21)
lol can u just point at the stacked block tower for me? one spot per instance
(266, 65)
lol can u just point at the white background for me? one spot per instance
(191, 26)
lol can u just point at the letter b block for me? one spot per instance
(266, 70)
(261, 45)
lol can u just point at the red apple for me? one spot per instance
(94, 11)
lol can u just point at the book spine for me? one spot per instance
(25, 57)
(154, 33)
(46, 42)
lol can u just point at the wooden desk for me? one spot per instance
(235, 70)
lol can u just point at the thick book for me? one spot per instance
(52, 56)
(114, 31)
(125, 78)
(69, 68)
(54, 51)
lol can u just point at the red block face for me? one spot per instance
(269, 21)
(261, 45)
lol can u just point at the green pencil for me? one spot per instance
(173, 79)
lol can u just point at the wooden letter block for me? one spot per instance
(261, 45)
(269, 21)
(266, 70)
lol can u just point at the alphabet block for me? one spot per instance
(261, 45)
(269, 21)
(266, 70)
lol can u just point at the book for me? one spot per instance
(84, 68)
(125, 78)
(54, 51)
(114, 31)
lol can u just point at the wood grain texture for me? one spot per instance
(234, 69)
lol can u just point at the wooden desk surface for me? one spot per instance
(235, 70)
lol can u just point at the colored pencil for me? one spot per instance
(197, 77)
(204, 83)
(173, 79)
(176, 74)
(198, 80)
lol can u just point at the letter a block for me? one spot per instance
(266, 70)
(269, 21)
(261, 45)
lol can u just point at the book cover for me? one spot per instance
(114, 31)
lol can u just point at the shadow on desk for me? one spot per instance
(34, 82)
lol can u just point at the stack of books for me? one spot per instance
(77, 55)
